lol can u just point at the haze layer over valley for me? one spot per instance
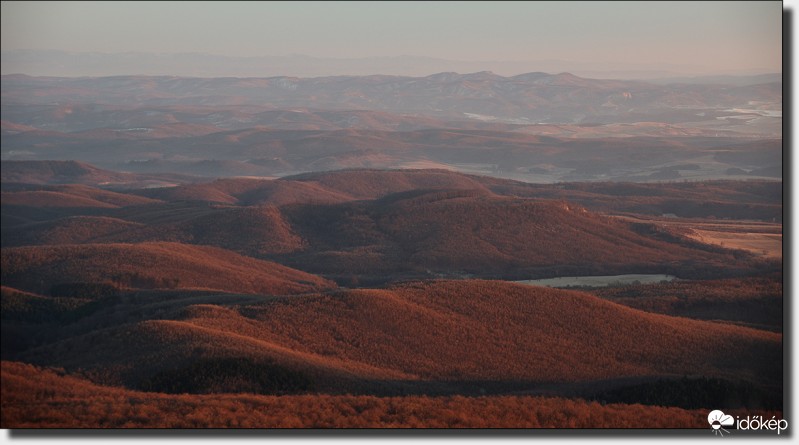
(533, 127)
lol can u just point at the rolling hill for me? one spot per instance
(751, 199)
(436, 336)
(53, 269)
(77, 172)
(72, 196)
(754, 200)
(464, 232)
(67, 230)
(317, 188)
(57, 172)
(389, 225)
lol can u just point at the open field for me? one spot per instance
(766, 244)
(757, 237)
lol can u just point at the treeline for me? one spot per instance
(144, 281)
(111, 288)
(85, 290)
(229, 375)
(38, 398)
(24, 306)
(695, 393)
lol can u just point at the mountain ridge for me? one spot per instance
(40, 62)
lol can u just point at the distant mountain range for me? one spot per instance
(525, 99)
(64, 63)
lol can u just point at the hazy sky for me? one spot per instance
(704, 36)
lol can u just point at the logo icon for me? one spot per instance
(718, 420)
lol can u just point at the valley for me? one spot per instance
(455, 250)
(379, 286)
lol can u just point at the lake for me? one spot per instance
(599, 280)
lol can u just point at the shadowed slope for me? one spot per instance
(69, 230)
(462, 231)
(752, 301)
(58, 172)
(72, 196)
(247, 230)
(245, 191)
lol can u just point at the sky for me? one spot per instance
(688, 37)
